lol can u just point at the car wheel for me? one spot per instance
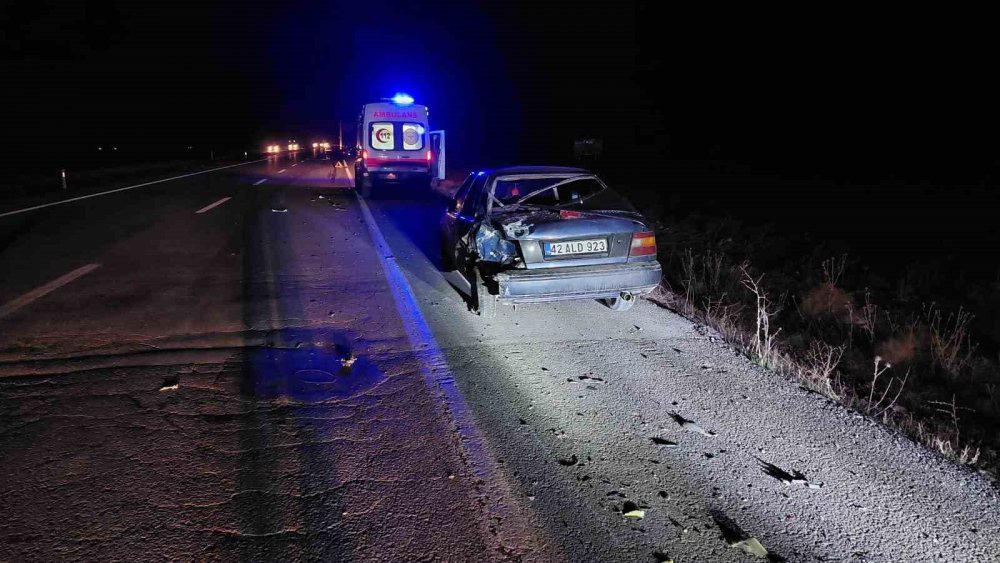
(486, 303)
(623, 302)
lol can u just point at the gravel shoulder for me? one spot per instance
(571, 396)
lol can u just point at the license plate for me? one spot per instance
(576, 247)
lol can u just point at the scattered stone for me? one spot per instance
(573, 460)
(663, 442)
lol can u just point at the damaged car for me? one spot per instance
(532, 234)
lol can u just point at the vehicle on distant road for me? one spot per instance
(394, 145)
(533, 234)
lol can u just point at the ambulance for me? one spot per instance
(396, 147)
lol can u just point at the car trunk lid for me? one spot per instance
(550, 237)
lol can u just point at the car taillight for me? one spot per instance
(364, 155)
(643, 244)
(428, 156)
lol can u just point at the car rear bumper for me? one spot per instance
(581, 282)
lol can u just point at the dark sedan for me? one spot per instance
(531, 234)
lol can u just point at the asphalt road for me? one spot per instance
(253, 364)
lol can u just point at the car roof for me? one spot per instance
(513, 170)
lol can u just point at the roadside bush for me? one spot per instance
(828, 301)
(877, 349)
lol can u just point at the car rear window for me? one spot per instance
(563, 190)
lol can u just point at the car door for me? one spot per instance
(450, 218)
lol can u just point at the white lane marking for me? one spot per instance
(347, 171)
(44, 290)
(259, 182)
(27, 209)
(282, 170)
(294, 165)
(214, 205)
(433, 366)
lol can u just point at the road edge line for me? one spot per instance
(436, 373)
(116, 190)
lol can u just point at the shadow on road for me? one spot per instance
(291, 385)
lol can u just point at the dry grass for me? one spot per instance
(763, 342)
(866, 318)
(828, 301)
(880, 408)
(951, 347)
(903, 348)
(819, 368)
(728, 296)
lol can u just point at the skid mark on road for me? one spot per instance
(44, 290)
(213, 205)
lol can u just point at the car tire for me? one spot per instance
(623, 302)
(486, 303)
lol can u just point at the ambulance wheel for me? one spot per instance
(367, 186)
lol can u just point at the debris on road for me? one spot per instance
(736, 537)
(632, 510)
(751, 546)
(793, 478)
(690, 425)
(663, 442)
(280, 209)
(171, 383)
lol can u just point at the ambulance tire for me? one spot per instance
(367, 186)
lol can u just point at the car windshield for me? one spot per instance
(551, 190)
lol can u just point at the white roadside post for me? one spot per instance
(62, 174)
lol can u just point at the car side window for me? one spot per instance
(474, 201)
(461, 194)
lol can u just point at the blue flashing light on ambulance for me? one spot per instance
(396, 147)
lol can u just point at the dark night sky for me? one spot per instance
(845, 94)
